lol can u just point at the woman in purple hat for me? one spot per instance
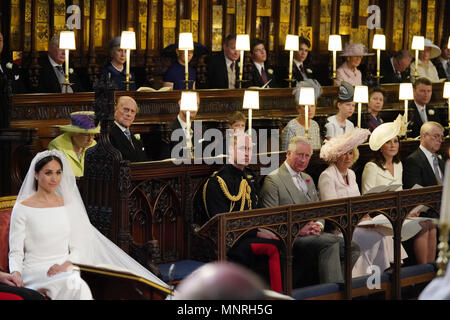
(78, 136)
(353, 53)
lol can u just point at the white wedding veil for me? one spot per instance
(94, 247)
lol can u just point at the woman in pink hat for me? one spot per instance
(339, 181)
(353, 53)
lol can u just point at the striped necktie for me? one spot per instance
(436, 170)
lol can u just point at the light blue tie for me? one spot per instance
(437, 172)
(128, 134)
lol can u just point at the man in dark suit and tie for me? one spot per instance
(223, 68)
(12, 72)
(260, 72)
(442, 62)
(424, 167)
(422, 112)
(129, 145)
(396, 68)
(52, 71)
(317, 254)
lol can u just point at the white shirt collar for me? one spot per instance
(419, 106)
(298, 63)
(182, 123)
(228, 62)
(292, 171)
(53, 63)
(258, 66)
(120, 126)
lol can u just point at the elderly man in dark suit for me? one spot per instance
(316, 253)
(396, 68)
(129, 145)
(52, 71)
(424, 167)
(223, 68)
(422, 112)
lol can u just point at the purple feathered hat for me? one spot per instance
(81, 122)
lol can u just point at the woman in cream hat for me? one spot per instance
(426, 68)
(78, 136)
(353, 53)
(339, 181)
(386, 169)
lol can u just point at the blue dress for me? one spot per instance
(175, 74)
(118, 77)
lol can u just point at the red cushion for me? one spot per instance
(9, 296)
(5, 217)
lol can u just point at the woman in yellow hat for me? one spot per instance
(78, 136)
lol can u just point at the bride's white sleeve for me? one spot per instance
(17, 232)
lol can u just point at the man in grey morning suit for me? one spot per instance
(314, 251)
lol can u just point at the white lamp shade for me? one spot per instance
(128, 40)
(307, 97)
(418, 43)
(188, 101)
(361, 94)
(185, 41)
(379, 42)
(446, 90)
(406, 91)
(243, 42)
(251, 100)
(67, 40)
(291, 43)
(448, 42)
(334, 42)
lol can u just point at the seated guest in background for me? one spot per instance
(175, 138)
(386, 169)
(396, 68)
(315, 253)
(424, 167)
(130, 145)
(234, 188)
(353, 53)
(52, 71)
(13, 72)
(376, 100)
(301, 68)
(339, 181)
(116, 68)
(12, 289)
(296, 127)
(236, 121)
(261, 73)
(422, 112)
(339, 123)
(426, 68)
(223, 68)
(175, 75)
(77, 138)
(442, 63)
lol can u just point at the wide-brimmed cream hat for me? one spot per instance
(385, 132)
(81, 122)
(435, 50)
(355, 50)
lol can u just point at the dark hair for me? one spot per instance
(376, 89)
(229, 38)
(41, 163)
(256, 42)
(379, 159)
(424, 81)
(303, 40)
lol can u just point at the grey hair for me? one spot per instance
(430, 125)
(54, 41)
(298, 140)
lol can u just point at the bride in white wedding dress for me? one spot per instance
(50, 230)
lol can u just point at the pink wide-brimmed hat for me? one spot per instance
(355, 50)
(341, 144)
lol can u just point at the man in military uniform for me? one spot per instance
(234, 188)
